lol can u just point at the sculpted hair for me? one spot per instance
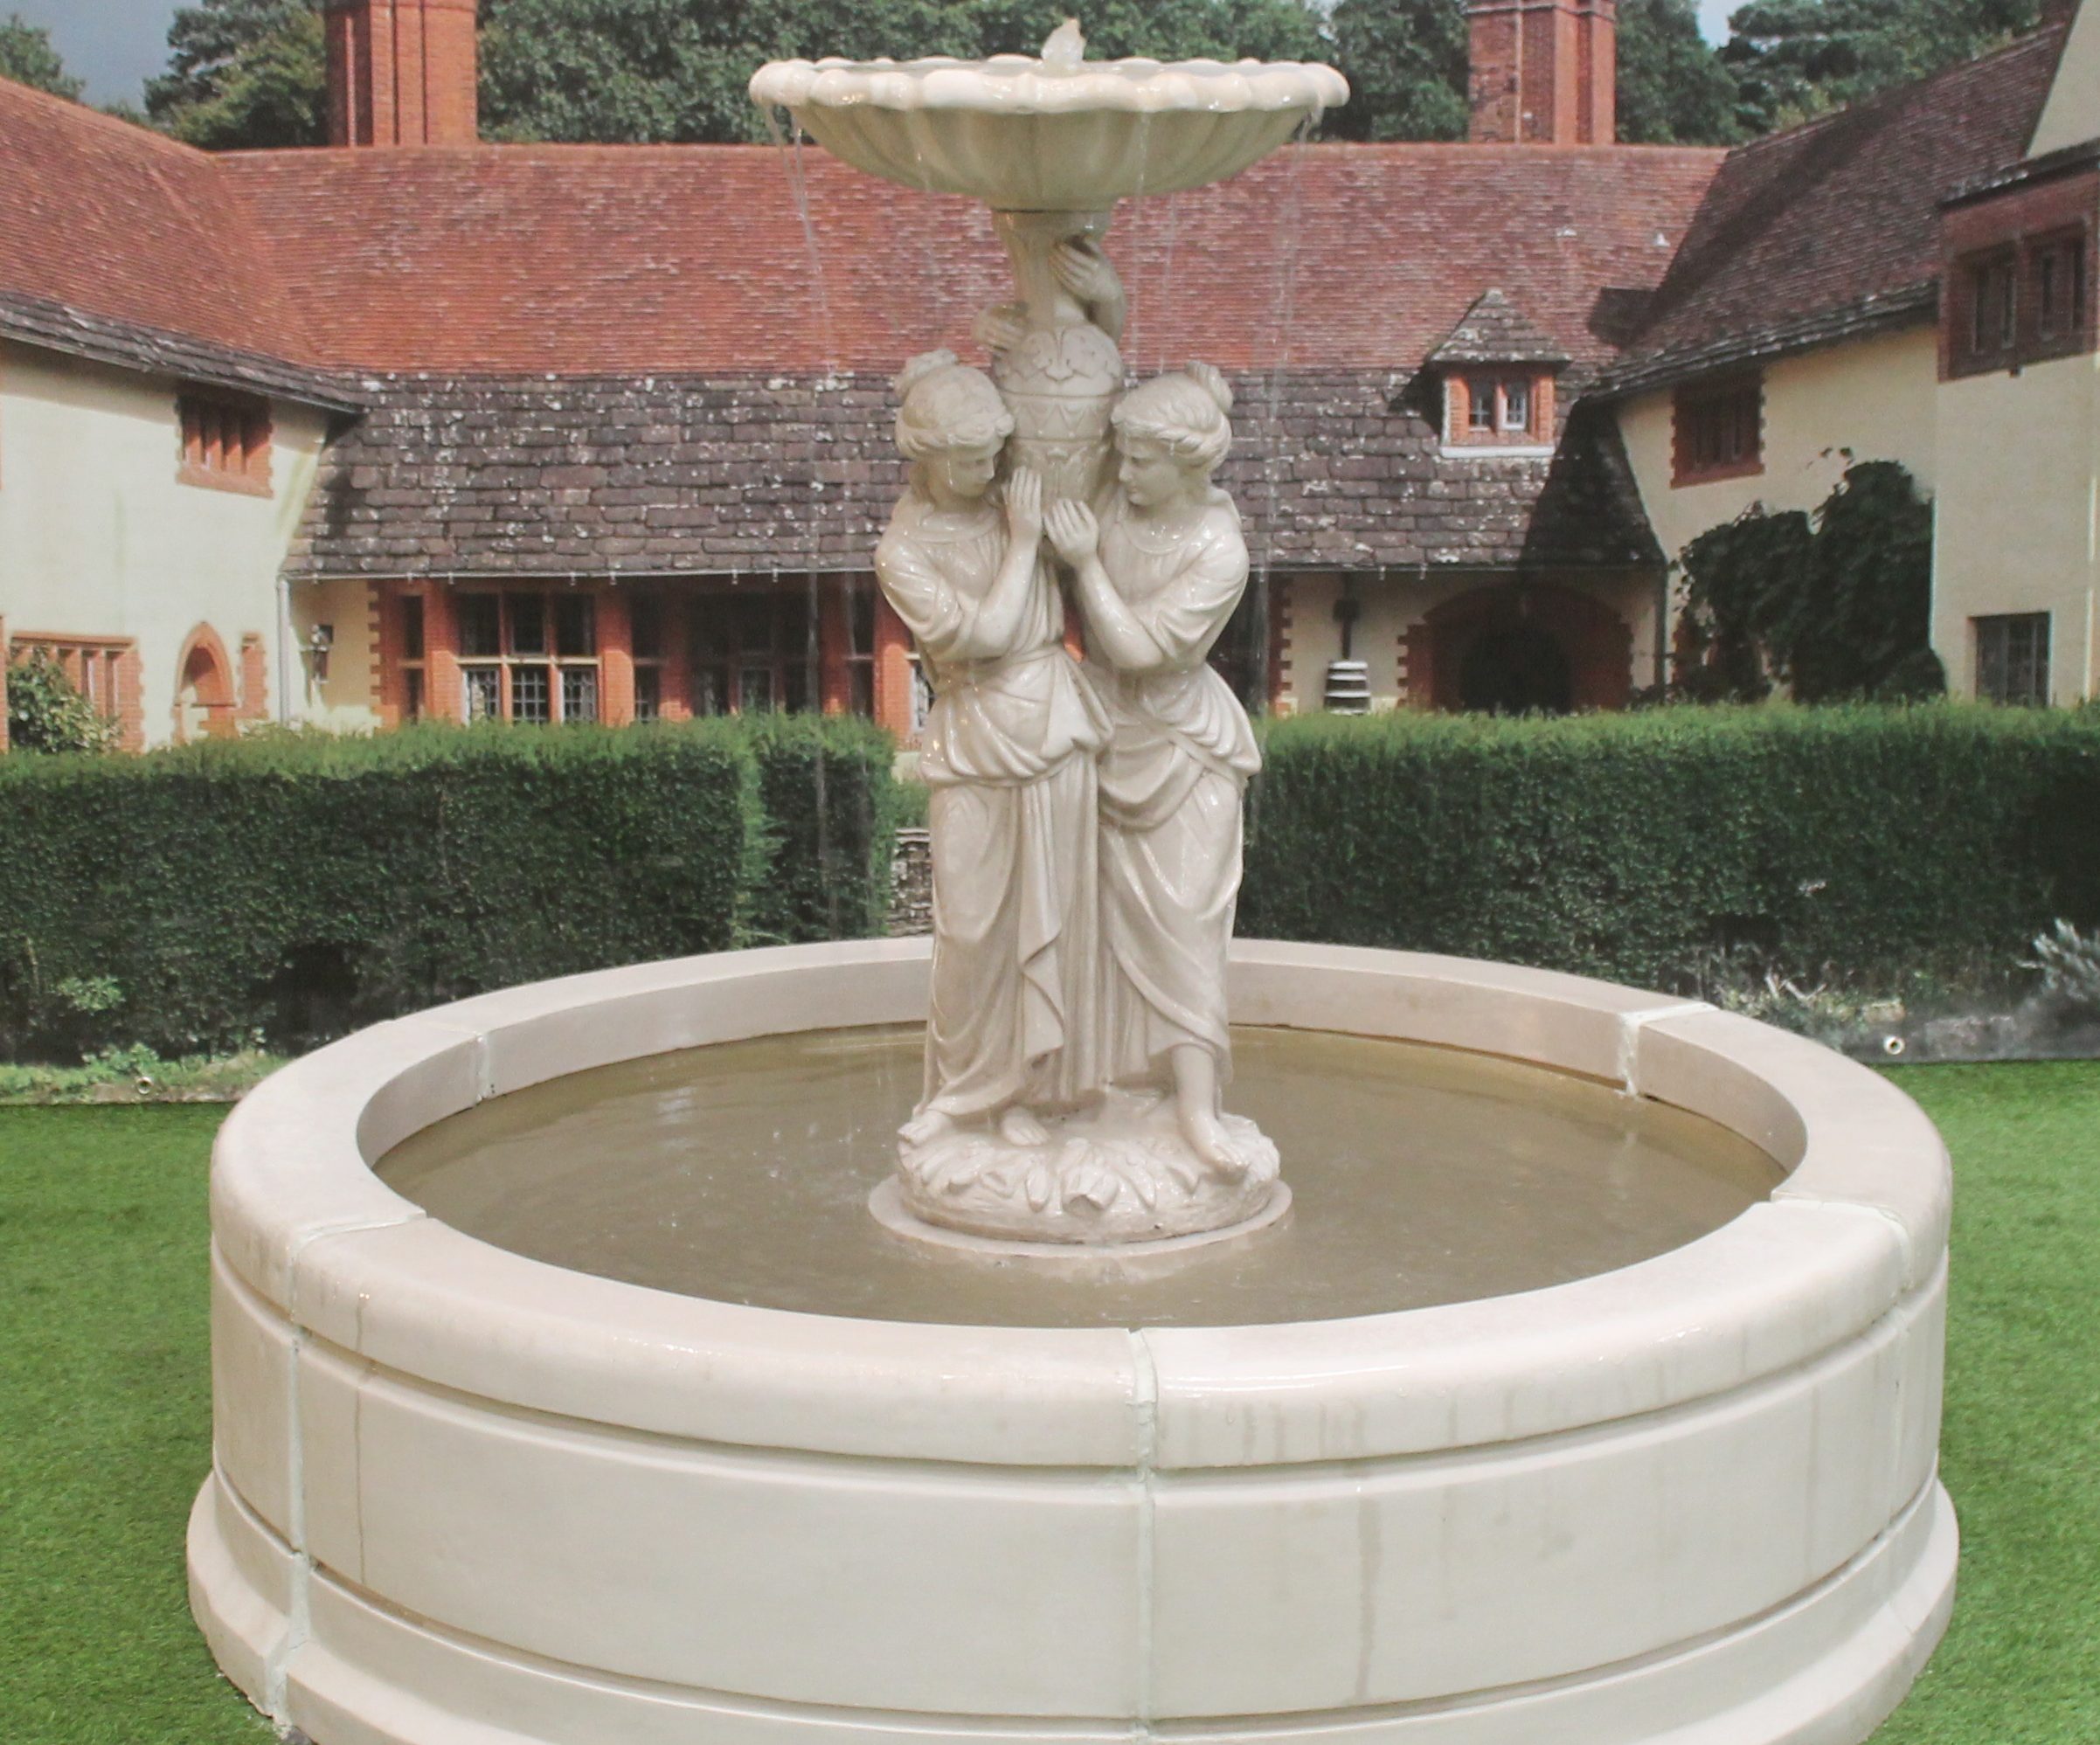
(1185, 413)
(948, 404)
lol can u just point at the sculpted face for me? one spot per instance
(1151, 477)
(959, 476)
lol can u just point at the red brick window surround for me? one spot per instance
(226, 442)
(2020, 302)
(104, 669)
(1717, 430)
(1498, 409)
(528, 656)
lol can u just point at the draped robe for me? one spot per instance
(1009, 751)
(1181, 750)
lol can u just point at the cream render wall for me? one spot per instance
(98, 538)
(2071, 115)
(1874, 398)
(2014, 530)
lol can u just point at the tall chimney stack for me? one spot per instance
(402, 72)
(1544, 72)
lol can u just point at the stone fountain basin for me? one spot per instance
(1023, 138)
(463, 1498)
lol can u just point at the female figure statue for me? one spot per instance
(1157, 574)
(1009, 751)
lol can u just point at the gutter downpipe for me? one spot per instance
(284, 641)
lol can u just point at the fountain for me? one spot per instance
(903, 1341)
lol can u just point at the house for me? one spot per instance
(412, 426)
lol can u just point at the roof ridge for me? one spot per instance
(84, 114)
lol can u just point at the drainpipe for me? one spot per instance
(284, 640)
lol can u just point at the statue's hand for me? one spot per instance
(1085, 272)
(1001, 328)
(1073, 531)
(1024, 505)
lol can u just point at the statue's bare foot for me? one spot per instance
(1206, 1137)
(1018, 1127)
(926, 1126)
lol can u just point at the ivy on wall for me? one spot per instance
(1835, 606)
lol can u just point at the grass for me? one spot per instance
(105, 1393)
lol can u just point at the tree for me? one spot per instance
(1837, 606)
(1405, 60)
(243, 73)
(27, 57)
(676, 70)
(1673, 89)
(1795, 59)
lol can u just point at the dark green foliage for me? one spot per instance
(675, 70)
(1858, 843)
(296, 887)
(1406, 65)
(27, 57)
(1795, 59)
(46, 713)
(244, 74)
(1673, 89)
(831, 812)
(1837, 607)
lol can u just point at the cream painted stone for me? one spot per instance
(1690, 1499)
(251, 1360)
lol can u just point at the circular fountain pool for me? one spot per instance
(1590, 1393)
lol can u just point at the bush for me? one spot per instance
(1861, 843)
(45, 711)
(287, 888)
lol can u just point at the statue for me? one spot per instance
(1009, 751)
(1085, 823)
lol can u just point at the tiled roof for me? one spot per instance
(502, 476)
(1832, 228)
(1495, 331)
(126, 226)
(638, 259)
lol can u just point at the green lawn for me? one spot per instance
(105, 1400)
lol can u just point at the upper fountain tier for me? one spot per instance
(1049, 133)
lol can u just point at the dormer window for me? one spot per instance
(1498, 409)
(1497, 372)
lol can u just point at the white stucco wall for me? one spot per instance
(2015, 530)
(2071, 115)
(98, 538)
(1871, 400)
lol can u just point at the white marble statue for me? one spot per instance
(1157, 574)
(1009, 752)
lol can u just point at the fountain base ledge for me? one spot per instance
(463, 1498)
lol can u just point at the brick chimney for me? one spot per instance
(402, 72)
(1544, 72)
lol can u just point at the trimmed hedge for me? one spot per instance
(1867, 844)
(290, 887)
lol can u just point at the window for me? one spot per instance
(748, 654)
(408, 643)
(2012, 658)
(225, 443)
(860, 647)
(2018, 304)
(645, 619)
(526, 655)
(102, 670)
(1717, 430)
(1504, 410)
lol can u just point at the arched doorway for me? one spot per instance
(1515, 670)
(1517, 647)
(204, 689)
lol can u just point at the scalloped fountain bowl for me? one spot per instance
(1606, 1413)
(1024, 134)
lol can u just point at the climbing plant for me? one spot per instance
(1835, 606)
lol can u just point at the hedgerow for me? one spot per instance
(1863, 843)
(284, 888)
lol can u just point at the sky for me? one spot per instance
(115, 45)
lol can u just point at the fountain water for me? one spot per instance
(566, 1393)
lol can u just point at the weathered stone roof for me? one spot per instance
(478, 475)
(1495, 331)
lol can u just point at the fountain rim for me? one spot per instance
(302, 1221)
(1021, 85)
